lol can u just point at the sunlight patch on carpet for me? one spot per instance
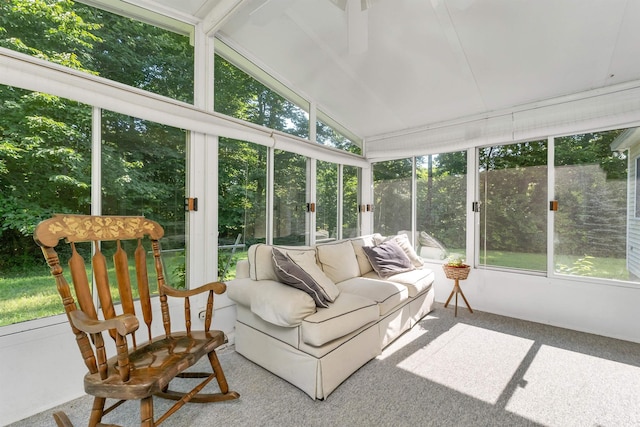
(403, 340)
(562, 385)
(471, 360)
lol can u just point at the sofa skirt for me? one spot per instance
(317, 377)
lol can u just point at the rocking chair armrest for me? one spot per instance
(124, 323)
(217, 287)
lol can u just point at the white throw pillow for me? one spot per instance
(307, 261)
(338, 260)
(403, 241)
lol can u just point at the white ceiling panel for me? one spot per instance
(428, 62)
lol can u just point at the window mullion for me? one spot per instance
(550, 214)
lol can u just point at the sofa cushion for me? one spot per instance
(416, 281)
(403, 241)
(290, 273)
(307, 261)
(388, 258)
(241, 290)
(348, 313)
(280, 304)
(261, 263)
(358, 243)
(387, 295)
(338, 260)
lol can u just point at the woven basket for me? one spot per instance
(459, 273)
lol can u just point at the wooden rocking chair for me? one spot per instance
(135, 371)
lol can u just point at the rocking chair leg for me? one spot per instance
(146, 412)
(217, 369)
(97, 411)
(61, 419)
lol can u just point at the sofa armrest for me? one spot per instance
(272, 301)
(280, 304)
(240, 291)
(242, 269)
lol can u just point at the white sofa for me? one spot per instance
(282, 329)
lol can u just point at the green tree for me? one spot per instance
(45, 143)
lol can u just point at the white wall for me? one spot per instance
(42, 367)
(602, 309)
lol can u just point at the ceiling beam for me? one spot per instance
(357, 27)
(220, 13)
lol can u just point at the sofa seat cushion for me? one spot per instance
(280, 304)
(386, 294)
(416, 281)
(346, 314)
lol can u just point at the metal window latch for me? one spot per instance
(475, 206)
(311, 207)
(190, 204)
(553, 205)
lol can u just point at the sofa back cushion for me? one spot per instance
(290, 273)
(358, 243)
(338, 260)
(307, 261)
(261, 262)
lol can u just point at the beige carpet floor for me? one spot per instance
(471, 370)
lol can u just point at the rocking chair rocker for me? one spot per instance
(134, 371)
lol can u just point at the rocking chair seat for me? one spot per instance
(154, 365)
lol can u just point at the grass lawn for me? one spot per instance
(26, 296)
(604, 268)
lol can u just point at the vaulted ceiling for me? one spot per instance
(384, 66)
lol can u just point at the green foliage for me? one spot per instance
(45, 141)
(392, 196)
(581, 267)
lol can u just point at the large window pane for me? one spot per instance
(242, 196)
(441, 205)
(350, 198)
(513, 208)
(327, 201)
(329, 136)
(239, 95)
(590, 228)
(45, 168)
(99, 42)
(289, 190)
(392, 196)
(143, 173)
